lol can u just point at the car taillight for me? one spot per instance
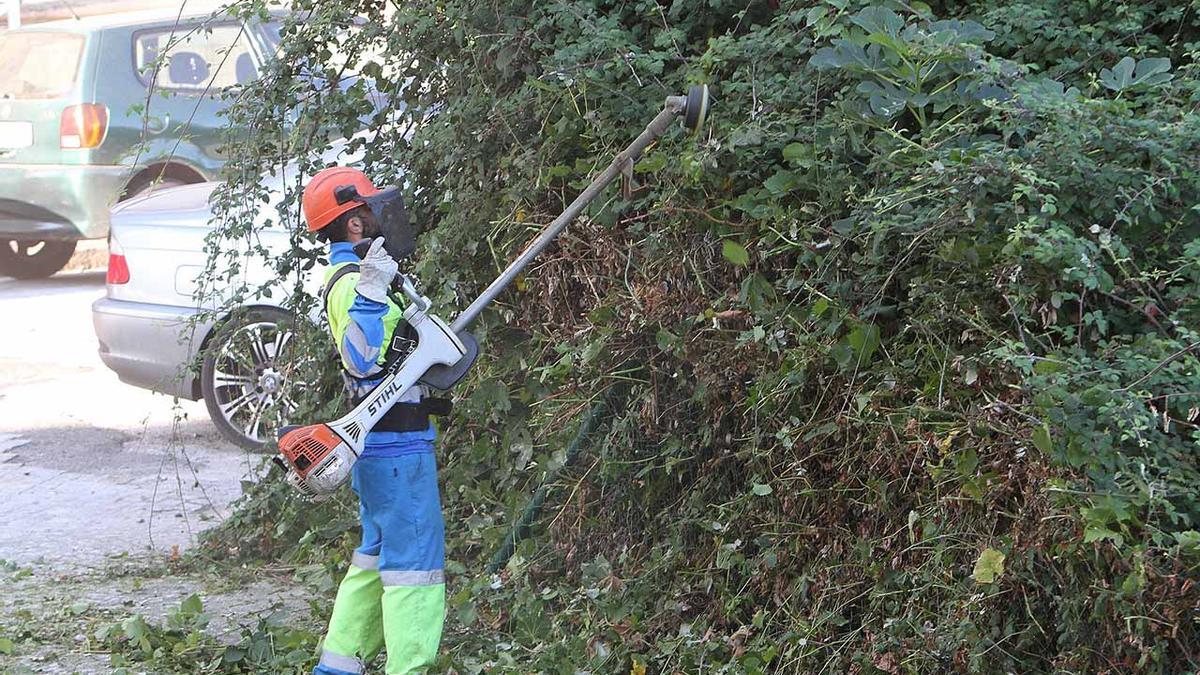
(83, 126)
(118, 267)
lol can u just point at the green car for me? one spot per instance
(74, 139)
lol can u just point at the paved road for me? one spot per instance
(91, 467)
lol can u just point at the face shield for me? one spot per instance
(387, 205)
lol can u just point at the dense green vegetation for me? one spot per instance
(910, 331)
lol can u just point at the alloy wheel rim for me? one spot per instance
(250, 379)
(25, 249)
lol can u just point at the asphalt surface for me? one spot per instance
(90, 467)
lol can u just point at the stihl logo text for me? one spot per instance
(380, 401)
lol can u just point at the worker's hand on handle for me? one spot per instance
(376, 273)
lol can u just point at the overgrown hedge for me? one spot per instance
(910, 330)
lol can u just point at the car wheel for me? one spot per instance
(245, 376)
(33, 259)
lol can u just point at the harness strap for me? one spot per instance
(348, 268)
(402, 416)
(403, 337)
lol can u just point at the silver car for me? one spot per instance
(147, 322)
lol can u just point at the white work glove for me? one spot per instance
(376, 272)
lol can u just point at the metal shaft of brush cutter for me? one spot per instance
(694, 106)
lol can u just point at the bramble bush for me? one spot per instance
(910, 330)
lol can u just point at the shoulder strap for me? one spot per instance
(348, 268)
(403, 337)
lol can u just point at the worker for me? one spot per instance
(393, 595)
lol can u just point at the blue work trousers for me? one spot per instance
(394, 593)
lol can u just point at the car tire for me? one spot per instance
(243, 376)
(33, 259)
(145, 183)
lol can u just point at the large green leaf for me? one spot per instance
(886, 100)
(955, 31)
(988, 567)
(1131, 74)
(735, 253)
(1041, 439)
(848, 55)
(879, 20)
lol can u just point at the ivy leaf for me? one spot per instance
(798, 154)
(1093, 533)
(467, 613)
(666, 339)
(1041, 439)
(864, 339)
(735, 253)
(781, 183)
(989, 567)
(1189, 541)
(741, 136)
(761, 490)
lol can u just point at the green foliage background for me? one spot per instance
(910, 329)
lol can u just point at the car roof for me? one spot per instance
(88, 24)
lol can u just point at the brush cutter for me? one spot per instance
(318, 457)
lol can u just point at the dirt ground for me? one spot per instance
(55, 618)
(101, 482)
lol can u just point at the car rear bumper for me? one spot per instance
(58, 201)
(150, 346)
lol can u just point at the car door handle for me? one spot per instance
(158, 124)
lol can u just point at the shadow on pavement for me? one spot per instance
(124, 454)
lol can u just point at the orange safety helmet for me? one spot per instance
(320, 202)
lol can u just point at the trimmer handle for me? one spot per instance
(401, 282)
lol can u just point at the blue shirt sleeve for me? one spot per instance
(363, 341)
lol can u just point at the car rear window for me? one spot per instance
(195, 58)
(38, 64)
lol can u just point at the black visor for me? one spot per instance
(388, 206)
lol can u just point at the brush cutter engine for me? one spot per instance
(318, 457)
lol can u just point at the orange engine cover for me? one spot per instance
(306, 447)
